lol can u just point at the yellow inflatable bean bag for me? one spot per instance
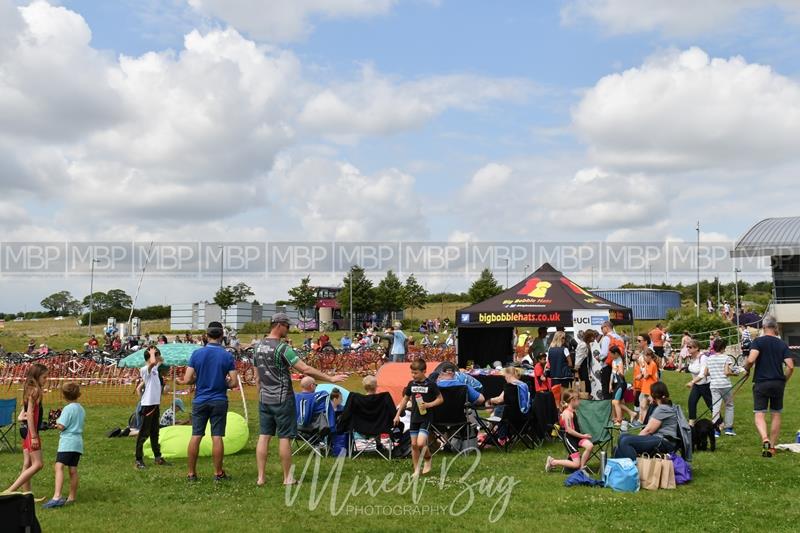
(174, 440)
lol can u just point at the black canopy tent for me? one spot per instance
(545, 298)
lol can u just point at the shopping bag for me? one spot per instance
(649, 472)
(667, 473)
(683, 472)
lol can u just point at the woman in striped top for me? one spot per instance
(718, 368)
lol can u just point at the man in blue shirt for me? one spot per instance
(398, 340)
(773, 367)
(212, 370)
(448, 378)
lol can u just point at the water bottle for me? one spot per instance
(603, 463)
(421, 409)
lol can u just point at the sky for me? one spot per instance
(389, 120)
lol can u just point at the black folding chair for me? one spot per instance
(370, 416)
(518, 426)
(449, 420)
(8, 422)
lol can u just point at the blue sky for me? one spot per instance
(554, 120)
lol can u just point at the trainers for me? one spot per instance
(222, 477)
(140, 465)
(548, 464)
(191, 478)
(636, 424)
(730, 432)
(54, 503)
(766, 449)
(160, 461)
(717, 433)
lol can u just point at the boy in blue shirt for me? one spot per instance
(70, 445)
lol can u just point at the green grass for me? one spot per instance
(734, 489)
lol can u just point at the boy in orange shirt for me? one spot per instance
(649, 375)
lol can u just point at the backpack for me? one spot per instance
(621, 475)
(619, 343)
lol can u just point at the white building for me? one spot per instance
(196, 316)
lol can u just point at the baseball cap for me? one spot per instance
(179, 404)
(280, 318)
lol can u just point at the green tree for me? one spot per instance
(484, 287)
(98, 300)
(389, 294)
(414, 294)
(119, 299)
(363, 292)
(61, 303)
(303, 297)
(241, 292)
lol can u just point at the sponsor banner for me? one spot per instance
(511, 318)
(583, 319)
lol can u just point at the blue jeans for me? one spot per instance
(632, 445)
(398, 357)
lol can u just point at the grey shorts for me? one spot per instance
(278, 419)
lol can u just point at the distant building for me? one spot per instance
(778, 239)
(196, 316)
(647, 304)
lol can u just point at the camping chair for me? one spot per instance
(8, 422)
(314, 422)
(370, 416)
(450, 425)
(518, 425)
(594, 417)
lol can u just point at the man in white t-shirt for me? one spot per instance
(149, 414)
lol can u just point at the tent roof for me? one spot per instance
(545, 298)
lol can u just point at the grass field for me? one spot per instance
(734, 489)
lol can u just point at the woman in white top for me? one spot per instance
(699, 382)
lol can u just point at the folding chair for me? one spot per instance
(450, 420)
(518, 425)
(8, 422)
(314, 421)
(370, 416)
(594, 417)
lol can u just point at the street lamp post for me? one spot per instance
(697, 260)
(525, 271)
(351, 302)
(91, 293)
(506, 260)
(221, 267)
(736, 302)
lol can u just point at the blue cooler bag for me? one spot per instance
(621, 475)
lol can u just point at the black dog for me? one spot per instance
(703, 435)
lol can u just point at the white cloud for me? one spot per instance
(672, 17)
(487, 180)
(277, 20)
(684, 110)
(377, 105)
(178, 135)
(334, 200)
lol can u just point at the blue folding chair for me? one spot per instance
(8, 422)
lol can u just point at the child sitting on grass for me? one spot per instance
(575, 440)
(70, 445)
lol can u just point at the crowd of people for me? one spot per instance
(592, 366)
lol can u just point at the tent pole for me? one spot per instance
(244, 403)
(174, 392)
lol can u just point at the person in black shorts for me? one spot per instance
(769, 354)
(424, 395)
